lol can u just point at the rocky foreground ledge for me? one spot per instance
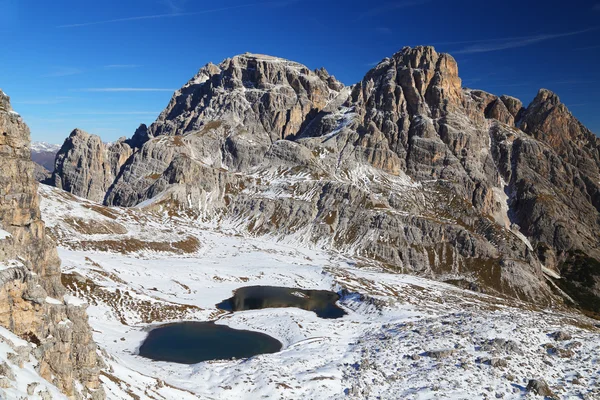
(44, 331)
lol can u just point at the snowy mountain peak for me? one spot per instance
(44, 147)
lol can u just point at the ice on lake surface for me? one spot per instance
(321, 302)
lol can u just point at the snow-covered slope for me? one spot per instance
(19, 377)
(403, 338)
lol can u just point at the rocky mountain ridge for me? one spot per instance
(87, 162)
(32, 301)
(406, 167)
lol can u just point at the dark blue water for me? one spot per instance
(322, 302)
(194, 342)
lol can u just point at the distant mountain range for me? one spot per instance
(43, 155)
(39, 147)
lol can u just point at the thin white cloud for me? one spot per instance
(283, 3)
(480, 40)
(597, 7)
(172, 14)
(512, 43)
(535, 84)
(104, 119)
(121, 66)
(574, 82)
(396, 5)
(62, 71)
(519, 84)
(94, 112)
(44, 102)
(384, 30)
(123, 89)
(588, 47)
(175, 6)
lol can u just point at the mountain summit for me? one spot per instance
(406, 168)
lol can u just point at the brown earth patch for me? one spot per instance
(95, 227)
(106, 211)
(122, 302)
(188, 245)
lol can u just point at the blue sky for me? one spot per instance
(107, 66)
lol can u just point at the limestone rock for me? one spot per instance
(271, 97)
(31, 388)
(561, 335)
(406, 168)
(541, 388)
(439, 354)
(501, 345)
(498, 363)
(86, 167)
(5, 382)
(556, 191)
(41, 174)
(66, 353)
(513, 105)
(140, 137)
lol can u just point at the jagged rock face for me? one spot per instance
(270, 97)
(87, 167)
(31, 272)
(556, 187)
(513, 105)
(342, 181)
(435, 129)
(143, 168)
(20, 203)
(406, 168)
(549, 121)
(416, 81)
(228, 116)
(140, 137)
(40, 173)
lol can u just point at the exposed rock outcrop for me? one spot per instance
(540, 388)
(555, 189)
(31, 293)
(40, 173)
(406, 168)
(87, 167)
(270, 96)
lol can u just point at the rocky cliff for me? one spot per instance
(86, 166)
(406, 167)
(31, 294)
